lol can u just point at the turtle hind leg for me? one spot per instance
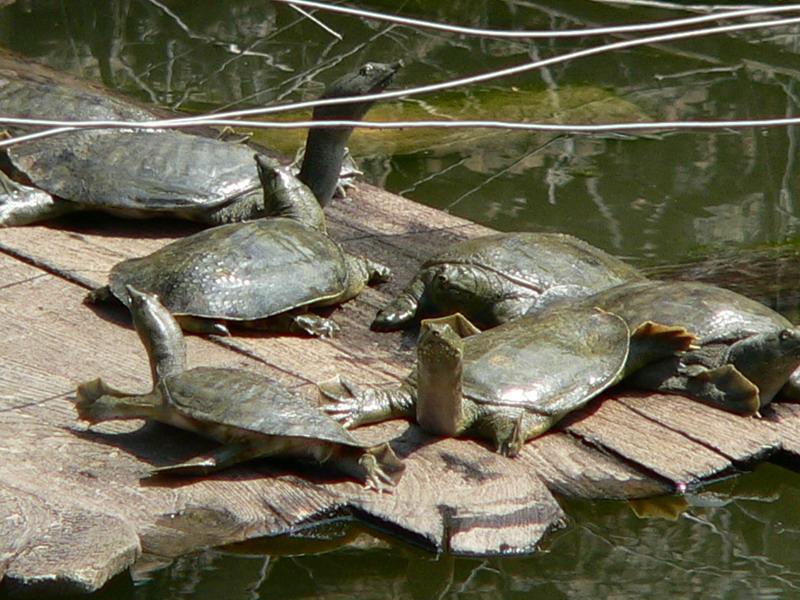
(378, 467)
(211, 462)
(22, 205)
(202, 326)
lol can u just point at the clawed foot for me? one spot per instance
(377, 479)
(383, 469)
(344, 401)
(315, 326)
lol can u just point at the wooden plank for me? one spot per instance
(658, 449)
(784, 419)
(454, 493)
(572, 468)
(738, 438)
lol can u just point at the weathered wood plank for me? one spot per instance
(738, 438)
(454, 493)
(572, 468)
(658, 449)
(785, 420)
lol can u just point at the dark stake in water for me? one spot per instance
(713, 205)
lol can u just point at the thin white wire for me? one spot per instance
(455, 124)
(223, 117)
(368, 14)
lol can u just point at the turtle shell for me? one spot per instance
(28, 89)
(148, 171)
(547, 365)
(712, 313)
(540, 260)
(250, 404)
(242, 271)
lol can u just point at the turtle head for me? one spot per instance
(286, 196)
(460, 288)
(325, 147)
(371, 78)
(767, 359)
(440, 355)
(160, 334)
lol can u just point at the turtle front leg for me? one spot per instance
(509, 432)
(301, 324)
(22, 205)
(352, 405)
(402, 310)
(790, 392)
(313, 325)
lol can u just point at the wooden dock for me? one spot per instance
(73, 511)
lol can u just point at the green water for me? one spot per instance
(656, 199)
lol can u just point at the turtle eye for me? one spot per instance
(785, 334)
(366, 70)
(443, 281)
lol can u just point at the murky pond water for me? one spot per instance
(718, 204)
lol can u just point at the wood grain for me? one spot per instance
(74, 510)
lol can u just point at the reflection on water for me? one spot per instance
(718, 206)
(736, 539)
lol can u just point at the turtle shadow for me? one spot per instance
(158, 445)
(112, 311)
(153, 443)
(100, 224)
(115, 312)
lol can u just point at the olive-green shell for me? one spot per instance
(712, 313)
(242, 271)
(249, 402)
(156, 171)
(540, 260)
(546, 365)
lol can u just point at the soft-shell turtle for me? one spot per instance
(251, 415)
(265, 273)
(747, 352)
(496, 278)
(511, 383)
(141, 173)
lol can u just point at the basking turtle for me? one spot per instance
(141, 173)
(747, 352)
(496, 278)
(251, 415)
(511, 383)
(264, 274)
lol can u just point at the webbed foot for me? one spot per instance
(345, 401)
(383, 468)
(314, 325)
(22, 205)
(202, 326)
(378, 273)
